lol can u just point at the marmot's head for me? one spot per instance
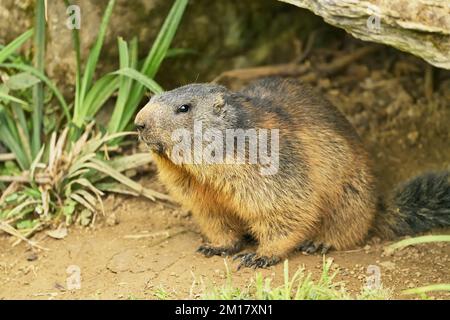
(181, 109)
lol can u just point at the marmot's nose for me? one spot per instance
(139, 121)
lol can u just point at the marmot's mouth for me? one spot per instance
(155, 146)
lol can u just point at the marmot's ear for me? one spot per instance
(219, 105)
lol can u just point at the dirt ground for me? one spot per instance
(153, 247)
(401, 109)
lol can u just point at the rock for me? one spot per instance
(59, 233)
(420, 27)
(32, 257)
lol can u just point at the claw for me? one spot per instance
(310, 247)
(313, 248)
(239, 256)
(209, 251)
(306, 245)
(252, 260)
(325, 248)
(205, 251)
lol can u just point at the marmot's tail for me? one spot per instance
(418, 205)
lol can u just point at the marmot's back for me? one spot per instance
(297, 104)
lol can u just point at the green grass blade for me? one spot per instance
(149, 83)
(15, 44)
(22, 129)
(100, 92)
(8, 97)
(9, 122)
(154, 58)
(11, 140)
(134, 53)
(19, 209)
(176, 52)
(164, 39)
(43, 78)
(425, 289)
(38, 90)
(124, 88)
(91, 64)
(417, 240)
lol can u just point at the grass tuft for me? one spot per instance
(299, 286)
(59, 168)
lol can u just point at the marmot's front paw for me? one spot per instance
(252, 260)
(209, 251)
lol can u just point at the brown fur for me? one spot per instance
(323, 191)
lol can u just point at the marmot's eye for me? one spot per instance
(183, 108)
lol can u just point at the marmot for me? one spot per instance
(323, 194)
